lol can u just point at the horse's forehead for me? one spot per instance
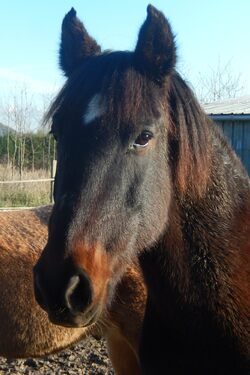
(96, 108)
(128, 109)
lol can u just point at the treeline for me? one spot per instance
(27, 151)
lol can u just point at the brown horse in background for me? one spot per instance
(142, 170)
(25, 330)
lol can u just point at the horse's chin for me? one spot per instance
(75, 321)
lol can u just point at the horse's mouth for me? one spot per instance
(77, 320)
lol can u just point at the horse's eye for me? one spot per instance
(143, 139)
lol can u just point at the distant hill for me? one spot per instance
(5, 130)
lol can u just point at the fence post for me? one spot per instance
(52, 175)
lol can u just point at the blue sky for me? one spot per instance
(206, 31)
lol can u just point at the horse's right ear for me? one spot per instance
(155, 53)
(76, 44)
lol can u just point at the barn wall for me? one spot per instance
(238, 134)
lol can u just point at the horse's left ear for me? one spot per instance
(155, 53)
(76, 44)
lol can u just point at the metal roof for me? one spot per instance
(239, 106)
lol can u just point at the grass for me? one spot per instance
(24, 194)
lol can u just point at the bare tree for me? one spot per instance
(18, 111)
(220, 83)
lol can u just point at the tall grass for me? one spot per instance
(24, 194)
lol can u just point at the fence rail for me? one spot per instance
(21, 182)
(27, 181)
(51, 180)
(7, 209)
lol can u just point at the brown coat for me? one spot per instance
(24, 327)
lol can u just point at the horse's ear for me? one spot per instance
(155, 53)
(76, 44)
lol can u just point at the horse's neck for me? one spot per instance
(205, 235)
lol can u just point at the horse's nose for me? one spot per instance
(78, 292)
(72, 296)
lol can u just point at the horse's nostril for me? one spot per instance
(78, 293)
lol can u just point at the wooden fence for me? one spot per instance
(51, 180)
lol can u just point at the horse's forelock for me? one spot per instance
(131, 97)
(112, 76)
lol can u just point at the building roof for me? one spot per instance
(239, 106)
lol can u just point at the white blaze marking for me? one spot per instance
(94, 110)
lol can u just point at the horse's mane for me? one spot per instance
(128, 93)
(190, 139)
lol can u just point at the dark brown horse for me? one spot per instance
(142, 170)
(25, 330)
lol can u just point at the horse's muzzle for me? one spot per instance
(69, 305)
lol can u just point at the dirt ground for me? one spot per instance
(86, 358)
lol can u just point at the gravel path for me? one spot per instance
(87, 358)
